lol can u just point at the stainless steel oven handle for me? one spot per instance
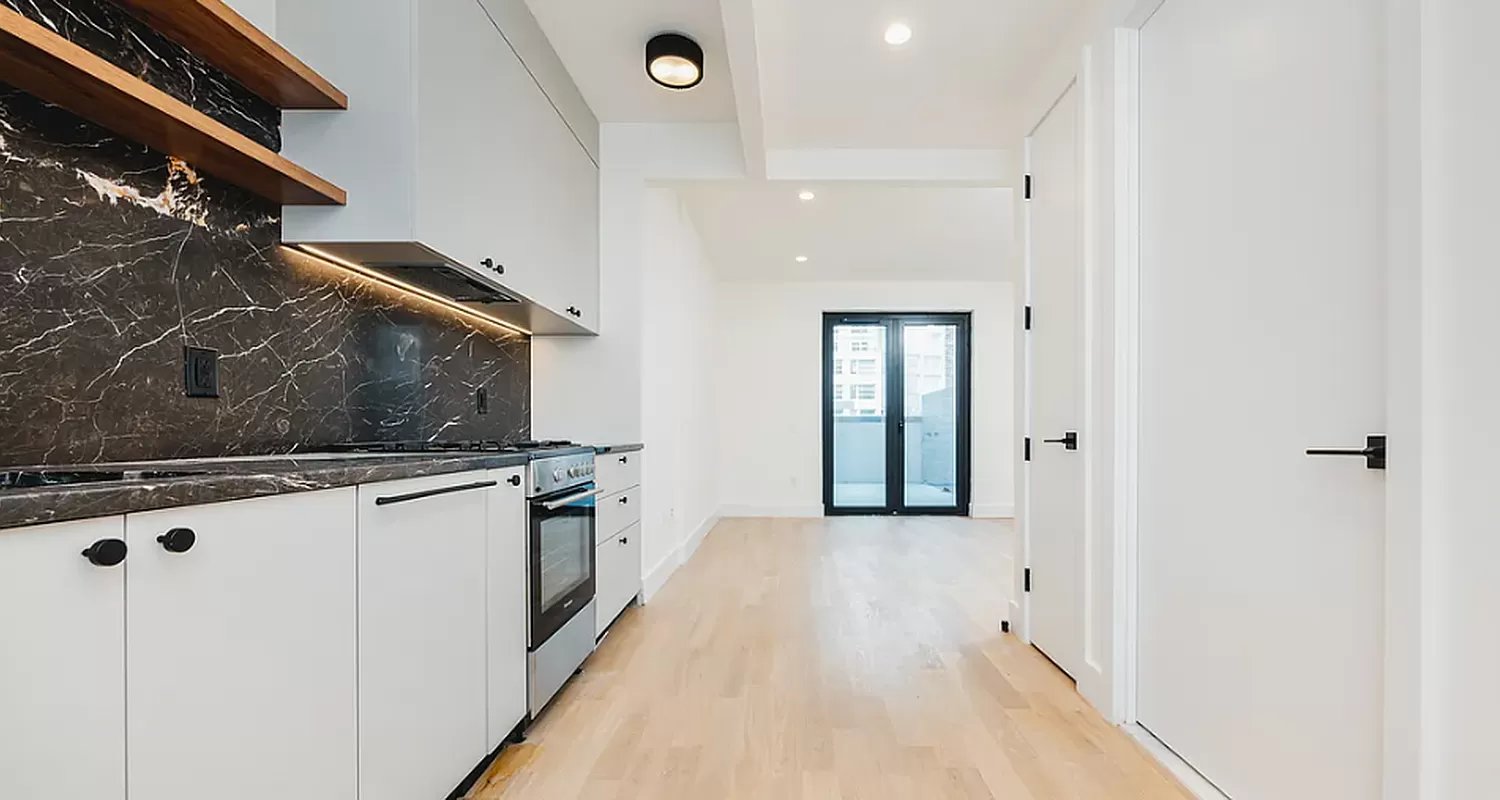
(553, 505)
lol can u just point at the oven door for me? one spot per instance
(562, 559)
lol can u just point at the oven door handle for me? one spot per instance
(553, 505)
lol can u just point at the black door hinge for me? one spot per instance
(1028, 186)
(1028, 579)
(1028, 318)
(1026, 451)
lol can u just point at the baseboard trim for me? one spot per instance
(993, 510)
(791, 512)
(695, 539)
(658, 575)
(1197, 785)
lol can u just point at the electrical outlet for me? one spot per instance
(482, 400)
(200, 372)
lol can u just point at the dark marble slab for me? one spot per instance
(226, 479)
(617, 448)
(108, 31)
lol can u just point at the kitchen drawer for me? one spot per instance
(617, 512)
(616, 471)
(618, 563)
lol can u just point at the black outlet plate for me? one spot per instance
(200, 371)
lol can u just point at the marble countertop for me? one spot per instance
(216, 480)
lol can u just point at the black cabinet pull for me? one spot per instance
(624, 500)
(1373, 452)
(515, 480)
(463, 487)
(624, 460)
(624, 540)
(106, 552)
(1068, 441)
(178, 540)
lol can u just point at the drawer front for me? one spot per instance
(617, 512)
(616, 471)
(619, 580)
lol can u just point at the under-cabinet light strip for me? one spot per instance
(365, 272)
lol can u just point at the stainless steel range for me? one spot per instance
(560, 490)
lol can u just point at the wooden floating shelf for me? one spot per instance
(36, 60)
(228, 41)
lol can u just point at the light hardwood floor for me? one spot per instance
(838, 658)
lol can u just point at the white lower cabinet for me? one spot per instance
(618, 564)
(241, 651)
(506, 603)
(422, 652)
(363, 643)
(62, 663)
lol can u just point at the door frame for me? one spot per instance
(1111, 274)
(895, 398)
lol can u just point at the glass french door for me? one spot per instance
(896, 413)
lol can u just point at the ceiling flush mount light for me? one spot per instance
(674, 61)
(805, 195)
(897, 34)
(801, 259)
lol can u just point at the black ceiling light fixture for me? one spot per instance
(674, 61)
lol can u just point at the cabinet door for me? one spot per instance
(422, 651)
(619, 579)
(506, 606)
(500, 175)
(241, 650)
(467, 82)
(62, 663)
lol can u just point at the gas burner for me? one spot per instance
(533, 444)
(445, 446)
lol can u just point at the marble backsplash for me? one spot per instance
(114, 257)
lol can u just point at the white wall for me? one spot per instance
(769, 386)
(260, 13)
(678, 417)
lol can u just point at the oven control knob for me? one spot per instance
(557, 474)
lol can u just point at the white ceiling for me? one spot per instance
(830, 80)
(603, 45)
(854, 231)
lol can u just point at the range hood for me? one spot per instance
(414, 264)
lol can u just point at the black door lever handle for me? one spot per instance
(1068, 441)
(1373, 452)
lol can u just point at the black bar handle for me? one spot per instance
(1068, 441)
(463, 487)
(1373, 452)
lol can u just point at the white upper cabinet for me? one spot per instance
(451, 152)
(62, 661)
(241, 652)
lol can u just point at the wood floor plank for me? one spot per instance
(827, 659)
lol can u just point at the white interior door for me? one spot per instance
(1055, 506)
(1262, 334)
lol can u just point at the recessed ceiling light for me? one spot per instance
(898, 33)
(805, 195)
(674, 61)
(801, 259)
